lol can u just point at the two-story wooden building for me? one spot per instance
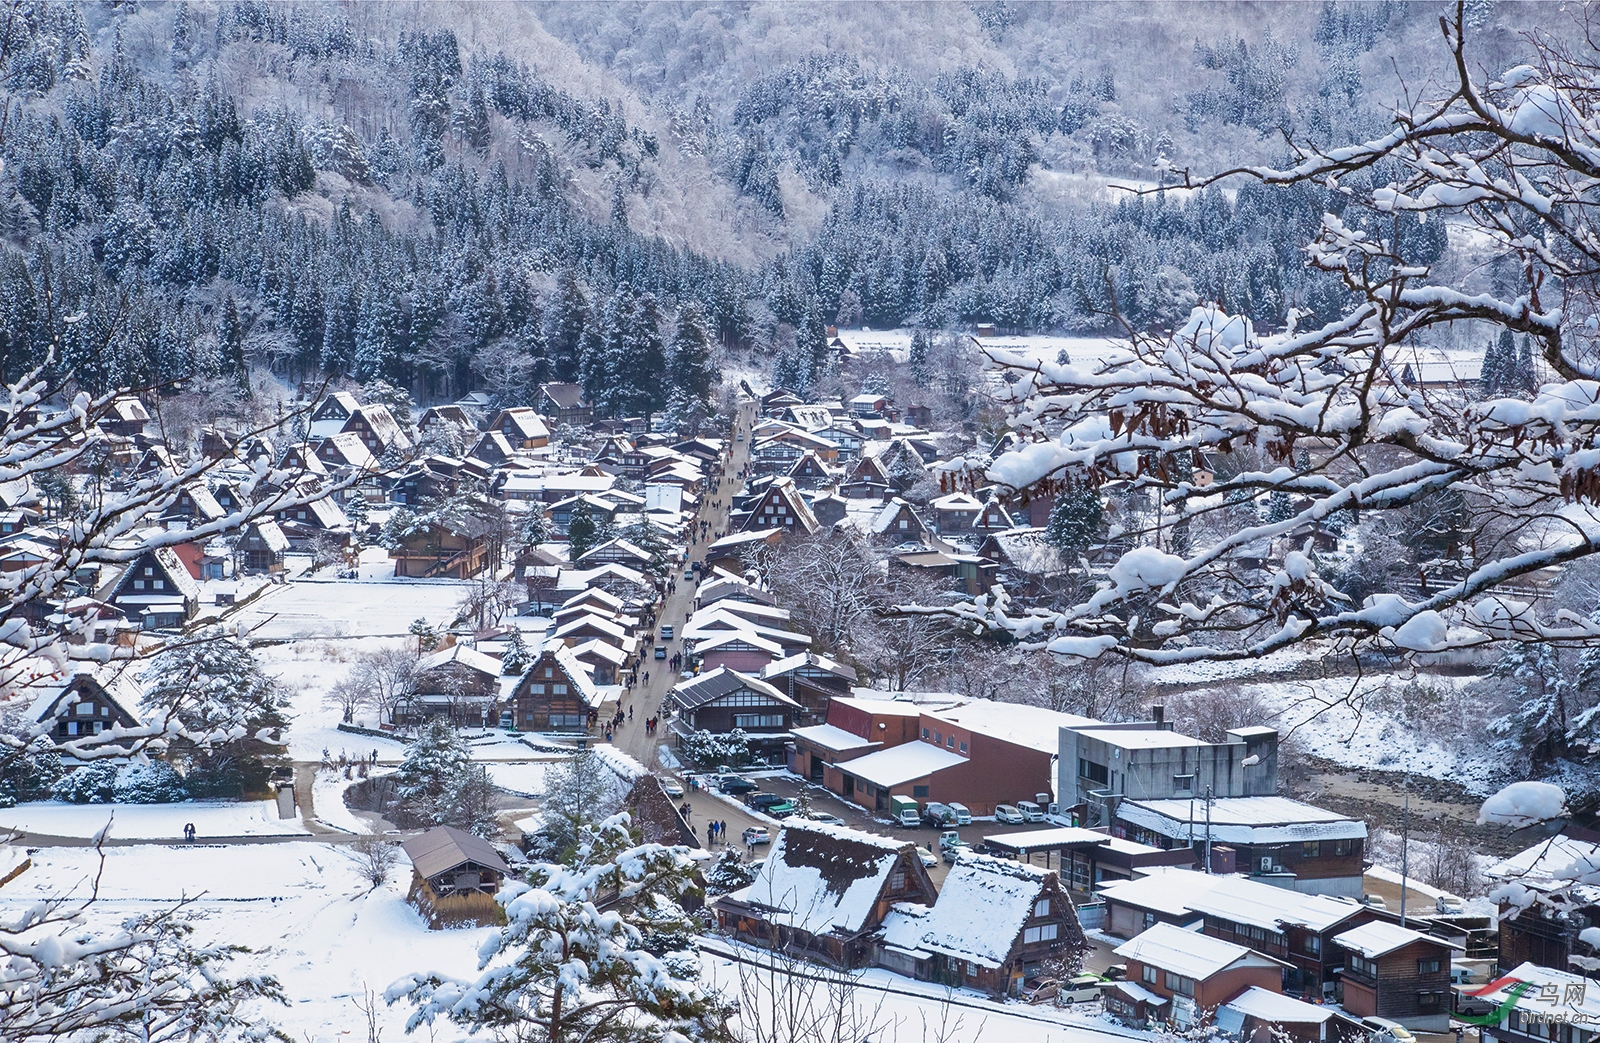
(1189, 976)
(556, 694)
(155, 590)
(996, 922)
(722, 700)
(81, 706)
(824, 891)
(1395, 973)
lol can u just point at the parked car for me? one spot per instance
(666, 633)
(1384, 1030)
(671, 787)
(661, 651)
(951, 845)
(1450, 905)
(1374, 902)
(926, 857)
(733, 784)
(1116, 972)
(1085, 988)
(762, 801)
(825, 818)
(782, 811)
(756, 835)
(1008, 814)
(1040, 990)
(936, 814)
(963, 816)
(1031, 812)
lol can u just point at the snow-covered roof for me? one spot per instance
(271, 534)
(1139, 994)
(1031, 726)
(794, 662)
(594, 621)
(442, 848)
(1189, 953)
(1275, 1007)
(956, 502)
(463, 654)
(717, 638)
(1143, 738)
(900, 764)
(1245, 820)
(601, 650)
(832, 737)
(821, 879)
(1379, 938)
(1040, 839)
(720, 682)
(891, 511)
(577, 674)
(1246, 901)
(980, 911)
(883, 704)
(1548, 860)
(1172, 892)
(1580, 1004)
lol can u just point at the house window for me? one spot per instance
(84, 709)
(1311, 849)
(1361, 965)
(158, 584)
(897, 879)
(938, 737)
(904, 524)
(1149, 975)
(1149, 921)
(138, 584)
(72, 727)
(1093, 772)
(536, 689)
(558, 689)
(1043, 933)
(924, 733)
(919, 791)
(757, 720)
(1341, 847)
(1428, 1002)
(148, 571)
(963, 749)
(1314, 944)
(1185, 783)
(1428, 966)
(950, 742)
(1179, 984)
(1041, 907)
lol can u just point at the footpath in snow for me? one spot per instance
(252, 818)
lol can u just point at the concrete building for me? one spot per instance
(1103, 764)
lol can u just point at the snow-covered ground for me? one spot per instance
(255, 818)
(301, 907)
(327, 796)
(307, 670)
(312, 921)
(525, 779)
(889, 1008)
(1345, 720)
(351, 608)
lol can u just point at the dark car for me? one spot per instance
(762, 801)
(734, 784)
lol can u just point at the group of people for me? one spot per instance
(717, 832)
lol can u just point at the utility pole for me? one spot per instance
(1405, 848)
(1208, 828)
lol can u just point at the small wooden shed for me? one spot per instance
(454, 878)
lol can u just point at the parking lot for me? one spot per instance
(786, 784)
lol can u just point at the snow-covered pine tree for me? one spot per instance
(691, 370)
(1074, 522)
(577, 793)
(561, 971)
(1498, 363)
(434, 764)
(921, 371)
(582, 531)
(1535, 724)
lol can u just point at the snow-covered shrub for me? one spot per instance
(91, 784)
(729, 873)
(708, 750)
(27, 775)
(154, 782)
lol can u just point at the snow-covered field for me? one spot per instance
(525, 779)
(257, 818)
(351, 608)
(327, 797)
(313, 922)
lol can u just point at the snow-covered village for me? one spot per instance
(799, 522)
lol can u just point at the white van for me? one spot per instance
(1384, 1031)
(963, 816)
(1031, 812)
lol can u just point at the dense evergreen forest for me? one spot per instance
(354, 190)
